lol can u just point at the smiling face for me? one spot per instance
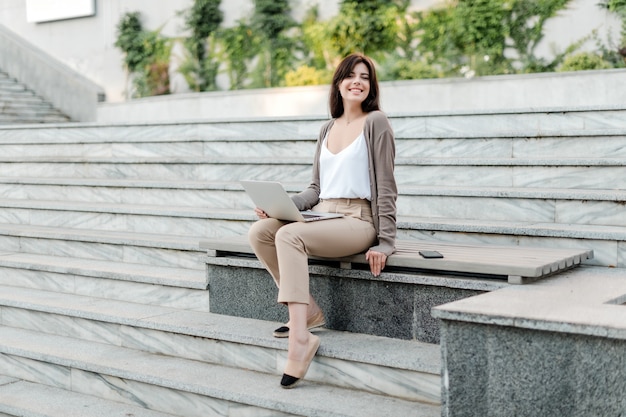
(356, 86)
(354, 81)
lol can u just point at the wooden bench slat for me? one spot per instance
(517, 263)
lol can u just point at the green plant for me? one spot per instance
(583, 61)
(469, 37)
(616, 5)
(129, 40)
(618, 53)
(146, 56)
(153, 78)
(239, 46)
(306, 75)
(405, 69)
(610, 51)
(480, 28)
(316, 43)
(407, 34)
(526, 22)
(488, 36)
(271, 19)
(375, 27)
(436, 41)
(202, 20)
(369, 27)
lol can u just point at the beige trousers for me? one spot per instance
(283, 247)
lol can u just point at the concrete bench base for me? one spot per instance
(396, 304)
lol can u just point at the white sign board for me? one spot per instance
(48, 10)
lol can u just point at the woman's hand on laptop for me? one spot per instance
(376, 260)
(260, 213)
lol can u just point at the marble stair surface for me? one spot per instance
(18, 105)
(26, 399)
(139, 283)
(563, 217)
(190, 363)
(507, 177)
(532, 204)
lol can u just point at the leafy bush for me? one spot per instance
(130, 41)
(306, 75)
(146, 56)
(271, 19)
(582, 62)
(616, 54)
(370, 30)
(404, 69)
(315, 42)
(202, 20)
(239, 46)
(458, 38)
(488, 36)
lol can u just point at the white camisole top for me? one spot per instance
(345, 174)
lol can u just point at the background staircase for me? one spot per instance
(103, 294)
(19, 105)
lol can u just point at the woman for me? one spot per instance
(353, 175)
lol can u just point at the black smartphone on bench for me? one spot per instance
(430, 254)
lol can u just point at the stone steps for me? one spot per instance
(607, 242)
(174, 251)
(28, 119)
(26, 110)
(19, 105)
(504, 150)
(518, 123)
(11, 86)
(589, 173)
(102, 282)
(139, 283)
(185, 387)
(265, 154)
(571, 206)
(26, 399)
(158, 219)
(205, 222)
(19, 101)
(152, 353)
(560, 132)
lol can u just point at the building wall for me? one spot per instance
(87, 44)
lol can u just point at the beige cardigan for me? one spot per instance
(382, 151)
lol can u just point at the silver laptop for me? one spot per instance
(271, 197)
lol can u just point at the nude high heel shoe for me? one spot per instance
(296, 370)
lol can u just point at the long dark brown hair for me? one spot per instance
(342, 72)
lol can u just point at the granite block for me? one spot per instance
(351, 303)
(368, 307)
(506, 371)
(425, 327)
(244, 292)
(461, 369)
